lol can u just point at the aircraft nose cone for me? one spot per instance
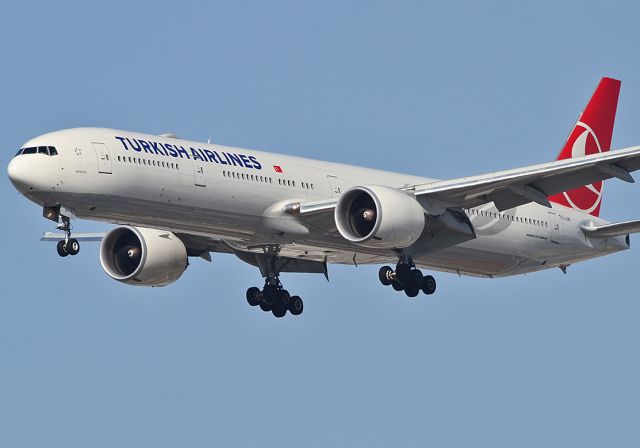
(19, 171)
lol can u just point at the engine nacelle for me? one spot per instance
(143, 257)
(379, 217)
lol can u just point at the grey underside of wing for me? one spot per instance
(506, 188)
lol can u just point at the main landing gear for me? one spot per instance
(407, 278)
(67, 246)
(273, 297)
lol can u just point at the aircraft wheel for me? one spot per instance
(415, 278)
(265, 306)
(253, 296)
(428, 285)
(73, 246)
(397, 285)
(279, 312)
(61, 248)
(383, 275)
(296, 306)
(411, 291)
(402, 272)
(270, 294)
(284, 299)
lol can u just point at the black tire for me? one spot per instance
(284, 298)
(73, 246)
(411, 291)
(279, 312)
(415, 278)
(402, 273)
(383, 275)
(297, 306)
(270, 294)
(428, 285)
(265, 306)
(397, 285)
(62, 250)
(253, 296)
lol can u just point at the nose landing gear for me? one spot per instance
(407, 278)
(68, 246)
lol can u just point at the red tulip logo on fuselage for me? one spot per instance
(584, 142)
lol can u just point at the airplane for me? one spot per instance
(172, 199)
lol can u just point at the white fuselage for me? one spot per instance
(227, 193)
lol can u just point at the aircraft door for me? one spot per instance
(554, 228)
(200, 176)
(334, 184)
(104, 157)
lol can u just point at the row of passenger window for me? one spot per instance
(46, 150)
(151, 162)
(512, 218)
(266, 179)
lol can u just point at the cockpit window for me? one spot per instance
(46, 150)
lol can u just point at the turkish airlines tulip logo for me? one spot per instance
(585, 142)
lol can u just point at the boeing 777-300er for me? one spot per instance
(173, 199)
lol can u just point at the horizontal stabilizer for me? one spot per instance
(614, 229)
(55, 237)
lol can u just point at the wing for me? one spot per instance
(508, 189)
(614, 229)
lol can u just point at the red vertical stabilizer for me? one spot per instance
(591, 135)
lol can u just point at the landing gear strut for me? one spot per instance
(407, 278)
(68, 246)
(273, 297)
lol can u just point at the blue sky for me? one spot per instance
(429, 89)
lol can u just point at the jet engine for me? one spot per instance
(379, 217)
(143, 257)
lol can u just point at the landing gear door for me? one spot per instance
(334, 184)
(200, 176)
(104, 157)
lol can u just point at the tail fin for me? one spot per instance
(591, 135)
